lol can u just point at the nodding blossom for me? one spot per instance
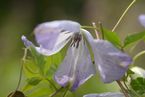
(77, 66)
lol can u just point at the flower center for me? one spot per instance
(75, 40)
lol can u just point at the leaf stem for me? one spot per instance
(52, 95)
(51, 83)
(22, 63)
(122, 88)
(20, 76)
(102, 31)
(124, 13)
(88, 27)
(138, 55)
(96, 32)
(65, 93)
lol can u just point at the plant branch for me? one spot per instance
(124, 13)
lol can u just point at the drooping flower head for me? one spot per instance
(77, 66)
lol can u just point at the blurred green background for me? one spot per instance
(18, 17)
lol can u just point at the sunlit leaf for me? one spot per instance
(138, 85)
(112, 37)
(134, 38)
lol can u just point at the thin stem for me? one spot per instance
(122, 88)
(65, 93)
(51, 83)
(22, 63)
(88, 27)
(52, 95)
(20, 76)
(125, 85)
(101, 28)
(124, 13)
(96, 32)
(138, 55)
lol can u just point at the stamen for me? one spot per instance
(76, 39)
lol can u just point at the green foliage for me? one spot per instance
(134, 38)
(138, 85)
(39, 71)
(38, 59)
(112, 37)
(34, 81)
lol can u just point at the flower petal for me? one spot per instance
(53, 36)
(111, 62)
(142, 19)
(76, 68)
(27, 43)
(109, 94)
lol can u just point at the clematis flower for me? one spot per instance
(142, 19)
(77, 65)
(108, 94)
(76, 68)
(111, 62)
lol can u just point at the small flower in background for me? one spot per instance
(77, 66)
(109, 94)
(142, 19)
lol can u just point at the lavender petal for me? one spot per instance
(142, 19)
(77, 67)
(111, 62)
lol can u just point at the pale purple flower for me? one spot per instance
(111, 62)
(142, 19)
(77, 66)
(108, 94)
(51, 37)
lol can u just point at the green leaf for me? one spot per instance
(130, 72)
(34, 81)
(43, 89)
(138, 85)
(30, 69)
(112, 37)
(38, 59)
(52, 62)
(134, 38)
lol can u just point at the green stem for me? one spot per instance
(51, 83)
(101, 28)
(20, 76)
(52, 95)
(122, 88)
(138, 55)
(23, 60)
(65, 93)
(96, 32)
(88, 27)
(124, 13)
